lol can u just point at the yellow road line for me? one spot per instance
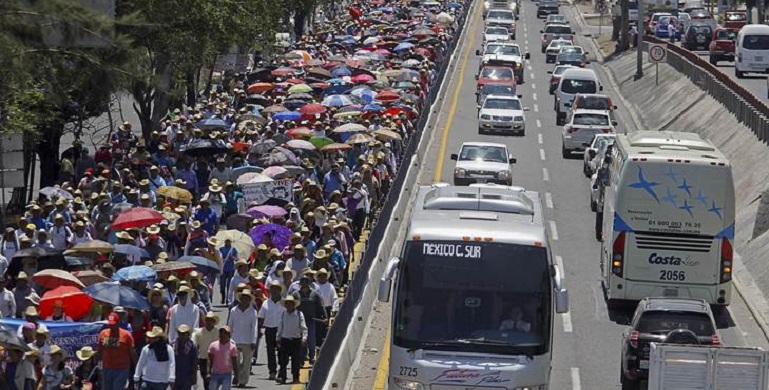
(455, 101)
(380, 383)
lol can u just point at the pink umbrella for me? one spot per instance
(266, 211)
(138, 217)
(274, 172)
(383, 51)
(312, 109)
(363, 78)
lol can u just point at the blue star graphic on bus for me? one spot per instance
(687, 207)
(702, 198)
(672, 175)
(686, 187)
(645, 185)
(670, 197)
(716, 210)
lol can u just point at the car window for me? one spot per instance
(593, 103)
(556, 19)
(558, 30)
(483, 153)
(578, 86)
(510, 50)
(502, 104)
(736, 17)
(700, 30)
(500, 15)
(726, 35)
(558, 44)
(569, 57)
(497, 73)
(497, 31)
(571, 49)
(591, 119)
(663, 322)
(496, 89)
(560, 69)
(756, 42)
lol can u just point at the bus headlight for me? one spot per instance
(407, 384)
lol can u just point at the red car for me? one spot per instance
(735, 19)
(722, 45)
(496, 75)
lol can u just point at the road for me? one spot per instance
(587, 340)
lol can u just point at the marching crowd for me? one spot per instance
(147, 230)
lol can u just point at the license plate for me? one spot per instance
(643, 364)
(481, 180)
(670, 292)
(758, 59)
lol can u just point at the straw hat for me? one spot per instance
(196, 275)
(42, 329)
(57, 350)
(261, 247)
(274, 252)
(277, 284)
(247, 293)
(215, 188)
(212, 316)
(320, 254)
(240, 262)
(195, 224)
(22, 275)
(31, 311)
(254, 273)
(163, 256)
(153, 292)
(123, 235)
(321, 271)
(85, 353)
(293, 273)
(156, 332)
(154, 229)
(290, 298)
(184, 289)
(183, 328)
(212, 241)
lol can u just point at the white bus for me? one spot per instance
(476, 292)
(668, 219)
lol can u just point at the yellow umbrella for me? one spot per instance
(92, 246)
(177, 193)
(240, 241)
(387, 134)
(359, 138)
(300, 88)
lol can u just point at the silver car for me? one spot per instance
(483, 162)
(501, 114)
(496, 33)
(502, 18)
(581, 128)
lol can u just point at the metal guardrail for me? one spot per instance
(745, 105)
(336, 334)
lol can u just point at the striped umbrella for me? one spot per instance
(337, 101)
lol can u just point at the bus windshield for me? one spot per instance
(474, 297)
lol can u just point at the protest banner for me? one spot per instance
(262, 191)
(70, 336)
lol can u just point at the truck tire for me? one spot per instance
(565, 153)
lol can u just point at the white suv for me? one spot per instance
(483, 162)
(582, 127)
(573, 81)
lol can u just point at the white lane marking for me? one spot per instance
(533, 86)
(548, 200)
(534, 96)
(532, 76)
(542, 154)
(545, 175)
(575, 382)
(539, 124)
(566, 317)
(553, 231)
(536, 108)
(528, 67)
(539, 139)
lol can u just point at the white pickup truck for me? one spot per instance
(676, 367)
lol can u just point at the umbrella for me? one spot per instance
(347, 114)
(300, 54)
(300, 132)
(170, 216)
(77, 261)
(52, 278)
(9, 339)
(259, 88)
(412, 63)
(341, 71)
(266, 211)
(275, 172)
(444, 18)
(114, 294)
(337, 101)
(236, 172)
(173, 192)
(403, 46)
(276, 202)
(239, 221)
(359, 138)
(271, 234)
(56, 192)
(312, 109)
(287, 116)
(337, 89)
(300, 144)
(365, 94)
(320, 142)
(293, 104)
(319, 73)
(174, 266)
(387, 134)
(363, 78)
(135, 273)
(200, 148)
(299, 88)
(335, 147)
(90, 277)
(76, 303)
(392, 72)
(388, 95)
(372, 108)
(131, 251)
(284, 156)
(138, 217)
(203, 264)
(301, 96)
(240, 241)
(350, 128)
(274, 108)
(211, 123)
(284, 71)
(252, 177)
(262, 146)
(404, 85)
(36, 252)
(91, 246)
(256, 99)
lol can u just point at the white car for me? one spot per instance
(582, 126)
(595, 151)
(504, 54)
(503, 114)
(556, 19)
(496, 33)
(503, 18)
(554, 48)
(483, 162)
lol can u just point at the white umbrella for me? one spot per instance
(252, 177)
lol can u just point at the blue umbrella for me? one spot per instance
(372, 107)
(337, 101)
(365, 94)
(116, 295)
(131, 250)
(211, 123)
(336, 90)
(203, 264)
(286, 116)
(341, 71)
(403, 46)
(335, 81)
(135, 273)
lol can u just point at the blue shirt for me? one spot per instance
(332, 182)
(207, 219)
(229, 263)
(191, 179)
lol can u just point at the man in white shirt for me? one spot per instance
(241, 276)
(203, 337)
(157, 366)
(269, 319)
(292, 336)
(7, 301)
(243, 322)
(328, 297)
(184, 312)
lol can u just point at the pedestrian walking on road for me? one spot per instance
(314, 313)
(156, 368)
(184, 312)
(292, 336)
(186, 357)
(222, 361)
(269, 319)
(243, 322)
(116, 349)
(203, 337)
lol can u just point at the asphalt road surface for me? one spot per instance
(586, 354)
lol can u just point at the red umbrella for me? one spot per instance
(295, 81)
(363, 78)
(387, 95)
(138, 217)
(76, 303)
(259, 88)
(284, 71)
(52, 278)
(299, 132)
(312, 109)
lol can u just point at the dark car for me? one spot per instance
(721, 46)
(697, 37)
(654, 320)
(546, 8)
(571, 58)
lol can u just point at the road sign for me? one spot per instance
(658, 53)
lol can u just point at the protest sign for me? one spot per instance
(262, 191)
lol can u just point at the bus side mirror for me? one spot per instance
(383, 295)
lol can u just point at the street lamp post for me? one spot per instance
(641, 31)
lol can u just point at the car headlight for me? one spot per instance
(518, 65)
(512, 25)
(517, 119)
(503, 174)
(486, 117)
(532, 387)
(410, 385)
(459, 172)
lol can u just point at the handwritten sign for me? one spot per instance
(261, 192)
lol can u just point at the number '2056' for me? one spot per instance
(676, 276)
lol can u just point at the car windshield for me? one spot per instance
(663, 322)
(702, 29)
(497, 31)
(593, 103)
(726, 35)
(558, 30)
(571, 49)
(700, 14)
(502, 104)
(509, 50)
(560, 69)
(578, 86)
(735, 17)
(500, 15)
(756, 42)
(569, 57)
(557, 45)
(591, 120)
(556, 19)
(497, 73)
(657, 17)
(497, 89)
(483, 153)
